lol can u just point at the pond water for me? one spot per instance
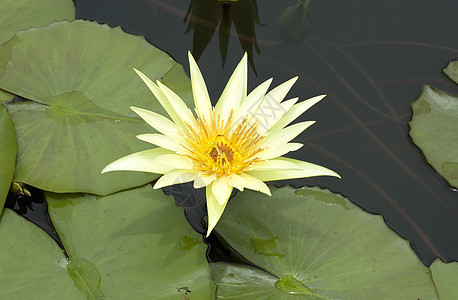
(370, 57)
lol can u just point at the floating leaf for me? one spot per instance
(8, 150)
(82, 88)
(452, 70)
(317, 244)
(134, 244)
(445, 277)
(434, 129)
(22, 14)
(32, 266)
(5, 97)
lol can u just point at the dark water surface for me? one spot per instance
(371, 58)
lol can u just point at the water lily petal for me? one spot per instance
(235, 91)
(142, 161)
(279, 93)
(158, 122)
(270, 111)
(251, 103)
(175, 161)
(202, 180)
(274, 164)
(279, 150)
(255, 184)
(161, 141)
(184, 114)
(175, 177)
(273, 118)
(258, 142)
(221, 189)
(199, 89)
(294, 112)
(285, 135)
(172, 105)
(304, 169)
(236, 181)
(214, 209)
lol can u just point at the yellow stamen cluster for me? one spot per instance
(216, 148)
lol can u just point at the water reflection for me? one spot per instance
(293, 22)
(203, 16)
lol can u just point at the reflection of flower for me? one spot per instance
(293, 22)
(204, 16)
(237, 143)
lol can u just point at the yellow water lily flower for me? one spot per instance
(238, 143)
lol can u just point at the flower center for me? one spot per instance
(222, 153)
(220, 147)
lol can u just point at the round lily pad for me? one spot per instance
(434, 129)
(134, 244)
(81, 88)
(22, 14)
(314, 244)
(8, 150)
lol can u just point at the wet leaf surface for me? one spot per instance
(22, 14)
(434, 129)
(81, 92)
(134, 244)
(317, 244)
(8, 150)
(445, 276)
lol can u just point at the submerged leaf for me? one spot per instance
(86, 277)
(290, 285)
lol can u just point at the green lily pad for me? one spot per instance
(8, 150)
(32, 266)
(445, 276)
(314, 244)
(5, 97)
(452, 70)
(434, 129)
(82, 89)
(22, 14)
(134, 244)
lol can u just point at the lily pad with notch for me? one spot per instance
(134, 244)
(81, 89)
(314, 244)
